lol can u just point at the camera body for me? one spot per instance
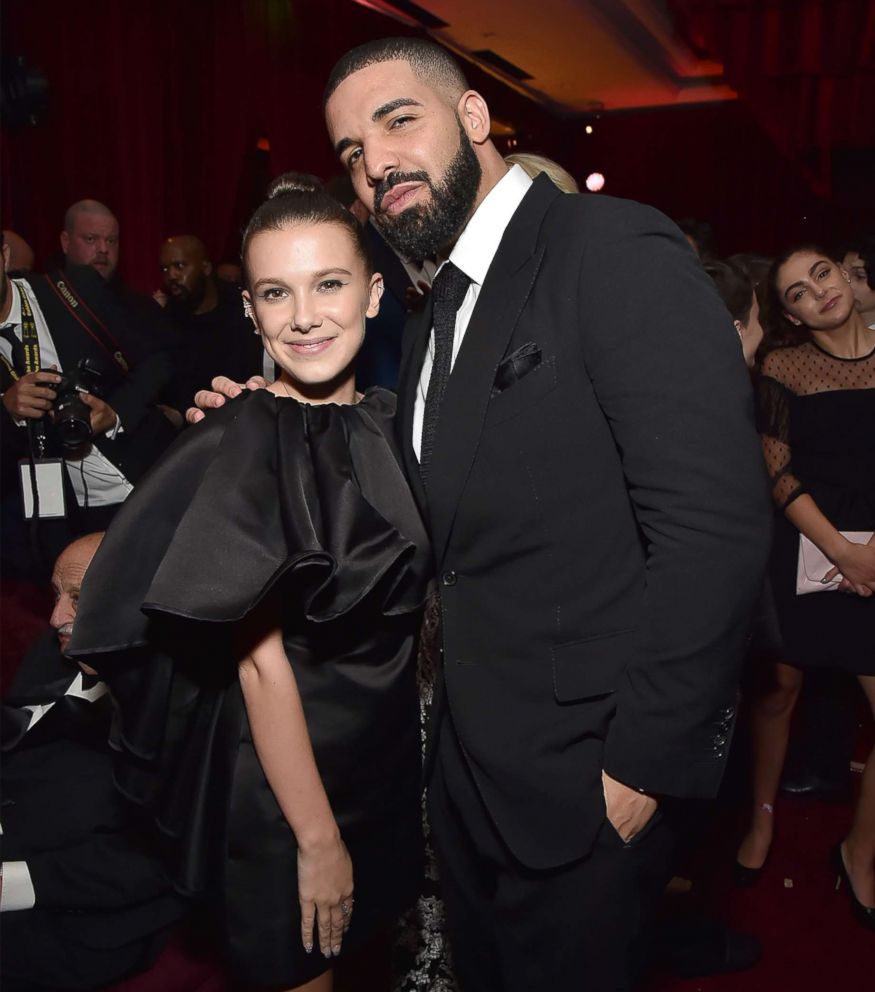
(72, 417)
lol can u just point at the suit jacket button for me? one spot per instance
(448, 578)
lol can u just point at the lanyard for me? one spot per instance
(29, 339)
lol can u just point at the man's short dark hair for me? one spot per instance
(427, 60)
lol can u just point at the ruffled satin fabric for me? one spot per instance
(305, 504)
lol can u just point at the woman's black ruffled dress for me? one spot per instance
(306, 505)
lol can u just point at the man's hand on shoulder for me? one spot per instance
(31, 397)
(628, 811)
(206, 399)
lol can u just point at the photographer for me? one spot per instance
(63, 343)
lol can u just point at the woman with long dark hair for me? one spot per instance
(817, 422)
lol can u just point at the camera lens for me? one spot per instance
(72, 420)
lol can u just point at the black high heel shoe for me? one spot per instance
(744, 877)
(864, 915)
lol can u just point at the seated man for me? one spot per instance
(84, 897)
(50, 324)
(21, 254)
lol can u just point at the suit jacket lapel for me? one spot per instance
(504, 293)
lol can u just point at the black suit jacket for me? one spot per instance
(91, 855)
(599, 515)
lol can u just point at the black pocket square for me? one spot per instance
(517, 365)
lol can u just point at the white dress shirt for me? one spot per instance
(473, 254)
(17, 891)
(94, 474)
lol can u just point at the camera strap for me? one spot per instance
(29, 341)
(87, 319)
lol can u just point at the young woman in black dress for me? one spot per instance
(817, 421)
(255, 608)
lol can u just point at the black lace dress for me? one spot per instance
(307, 505)
(817, 421)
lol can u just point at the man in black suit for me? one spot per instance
(598, 510)
(91, 236)
(84, 896)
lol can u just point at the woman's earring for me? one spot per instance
(250, 313)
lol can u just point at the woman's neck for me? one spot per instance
(853, 339)
(341, 390)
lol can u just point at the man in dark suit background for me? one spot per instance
(84, 897)
(206, 314)
(599, 516)
(379, 360)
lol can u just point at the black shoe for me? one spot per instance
(694, 948)
(744, 877)
(812, 785)
(864, 915)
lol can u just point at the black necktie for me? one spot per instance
(8, 331)
(448, 291)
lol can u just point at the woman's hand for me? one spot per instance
(206, 399)
(856, 564)
(325, 891)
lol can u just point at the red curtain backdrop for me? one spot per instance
(157, 106)
(806, 68)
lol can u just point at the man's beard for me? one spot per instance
(186, 300)
(422, 230)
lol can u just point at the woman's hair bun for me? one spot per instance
(294, 182)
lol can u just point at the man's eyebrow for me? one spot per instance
(387, 108)
(381, 112)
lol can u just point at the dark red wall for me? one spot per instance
(156, 108)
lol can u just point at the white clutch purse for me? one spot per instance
(813, 563)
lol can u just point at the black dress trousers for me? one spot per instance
(517, 929)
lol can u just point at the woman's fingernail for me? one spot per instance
(335, 950)
(308, 948)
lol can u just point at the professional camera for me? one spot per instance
(72, 416)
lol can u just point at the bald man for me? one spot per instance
(21, 256)
(85, 899)
(187, 275)
(91, 237)
(207, 315)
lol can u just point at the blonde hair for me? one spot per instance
(533, 165)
